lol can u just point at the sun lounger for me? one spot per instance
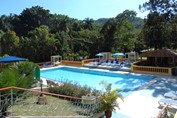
(122, 64)
(107, 63)
(93, 63)
(162, 112)
(47, 64)
(98, 62)
(115, 63)
(172, 95)
(56, 63)
(165, 101)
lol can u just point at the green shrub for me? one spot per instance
(73, 89)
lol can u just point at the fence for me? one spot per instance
(72, 63)
(16, 101)
(149, 69)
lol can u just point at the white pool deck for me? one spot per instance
(143, 103)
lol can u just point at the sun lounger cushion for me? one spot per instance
(165, 101)
(172, 95)
(47, 64)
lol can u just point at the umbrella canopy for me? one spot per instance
(118, 54)
(8, 59)
(37, 73)
(99, 54)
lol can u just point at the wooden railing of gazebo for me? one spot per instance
(151, 69)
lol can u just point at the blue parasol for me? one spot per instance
(118, 54)
(99, 55)
(8, 59)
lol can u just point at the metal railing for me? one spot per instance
(16, 101)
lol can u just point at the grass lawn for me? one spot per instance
(54, 107)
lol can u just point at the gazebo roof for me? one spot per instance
(160, 53)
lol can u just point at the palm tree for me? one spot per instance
(19, 75)
(88, 23)
(108, 102)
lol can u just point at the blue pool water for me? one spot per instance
(126, 82)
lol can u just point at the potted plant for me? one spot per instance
(109, 99)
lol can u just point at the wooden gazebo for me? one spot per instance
(161, 58)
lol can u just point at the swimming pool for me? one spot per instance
(127, 82)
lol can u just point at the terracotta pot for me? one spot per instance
(108, 114)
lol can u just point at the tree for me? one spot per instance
(88, 23)
(83, 54)
(160, 6)
(6, 22)
(39, 34)
(89, 41)
(1, 34)
(119, 32)
(124, 37)
(159, 23)
(31, 18)
(154, 31)
(139, 41)
(108, 30)
(76, 25)
(42, 44)
(63, 39)
(126, 15)
(20, 75)
(60, 23)
(9, 43)
(109, 99)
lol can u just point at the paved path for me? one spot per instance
(144, 103)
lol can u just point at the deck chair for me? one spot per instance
(98, 62)
(162, 112)
(172, 95)
(107, 63)
(93, 62)
(165, 101)
(47, 64)
(122, 64)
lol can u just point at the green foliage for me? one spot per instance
(140, 42)
(9, 43)
(119, 33)
(31, 18)
(160, 26)
(73, 89)
(6, 22)
(26, 69)
(41, 44)
(20, 75)
(60, 23)
(109, 97)
(88, 24)
(160, 6)
(36, 34)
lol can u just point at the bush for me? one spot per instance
(73, 89)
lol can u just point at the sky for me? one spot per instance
(79, 9)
